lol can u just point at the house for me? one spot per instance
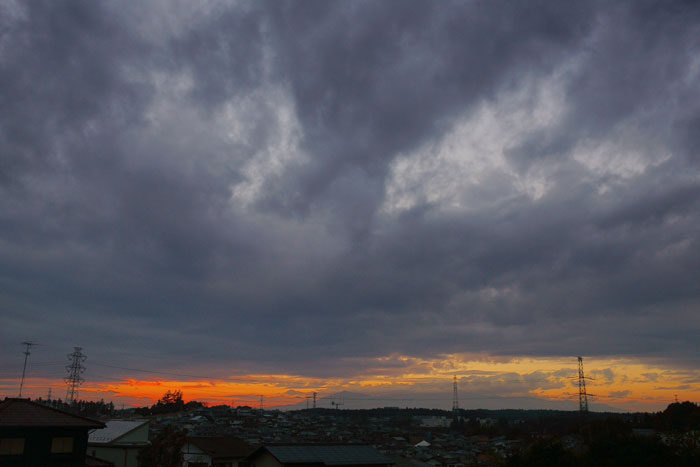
(33, 435)
(316, 455)
(434, 422)
(91, 461)
(119, 441)
(219, 451)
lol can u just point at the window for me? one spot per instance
(11, 446)
(61, 445)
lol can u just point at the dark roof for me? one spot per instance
(25, 413)
(221, 446)
(337, 454)
(91, 461)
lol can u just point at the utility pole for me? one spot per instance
(582, 397)
(48, 398)
(24, 370)
(455, 398)
(75, 370)
(261, 404)
(314, 400)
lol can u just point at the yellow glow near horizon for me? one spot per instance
(617, 382)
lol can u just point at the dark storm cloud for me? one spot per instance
(372, 80)
(253, 182)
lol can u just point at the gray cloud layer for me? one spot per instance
(258, 185)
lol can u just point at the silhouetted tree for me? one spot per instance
(545, 454)
(164, 450)
(170, 402)
(85, 408)
(681, 416)
(628, 450)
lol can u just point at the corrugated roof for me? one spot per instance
(346, 454)
(114, 430)
(25, 413)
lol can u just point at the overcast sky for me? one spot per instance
(308, 187)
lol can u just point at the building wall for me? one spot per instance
(120, 456)
(192, 454)
(37, 447)
(435, 422)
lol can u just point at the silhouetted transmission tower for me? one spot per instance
(455, 398)
(75, 370)
(582, 397)
(26, 353)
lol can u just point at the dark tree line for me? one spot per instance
(613, 442)
(92, 409)
(678, 417)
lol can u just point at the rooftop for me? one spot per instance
(221, 446)
(342, 454)
(114, 430)
(15, 412)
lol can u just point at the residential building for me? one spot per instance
(119, 441)
(33, 435)
(217, 451)
(316, 455)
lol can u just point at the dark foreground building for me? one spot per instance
(215, 451)
(33, 435)
(316, 455)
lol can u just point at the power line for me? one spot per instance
(167, 373)
(219, 378)
(487, 380)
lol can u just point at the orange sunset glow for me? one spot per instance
(622, 384)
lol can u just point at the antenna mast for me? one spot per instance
(337, 404)
(455, 397)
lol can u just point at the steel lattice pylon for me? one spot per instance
(582, 397)
(75, 370)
